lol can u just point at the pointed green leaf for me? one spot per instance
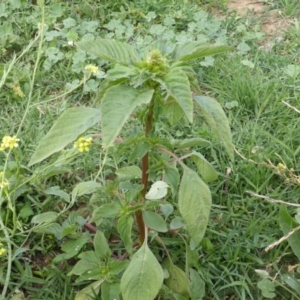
(119, 72)
(85, 188)
(111, 50)
(194, 202)
(82, 267)
(177, 281)
(106, 211)
(205, 169)
(46, 217)
(195, 50)
(166, 209)
(71, 248)
(172, 178)
(65, 130)
(176, 223)
(154, 221)
(178, 87)
(290, 280)
(197, 286)
(144, 276)
(139, 151)
(287, 224)
(217, 120)
(101, 246)
(55, 190)
(194, 142)
(173, 111)
(110, 291)
(118, 103)
(124, 228)
(130, 172)
(88, 292)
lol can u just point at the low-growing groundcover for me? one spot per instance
(70, 209)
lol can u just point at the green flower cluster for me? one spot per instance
(83, 144)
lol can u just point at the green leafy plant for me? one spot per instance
(154, 89)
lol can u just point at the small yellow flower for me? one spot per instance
(83, 144)
(17, 89)
(92, 69)
(9, 142)
(3, 251)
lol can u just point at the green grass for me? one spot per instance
(263, 128)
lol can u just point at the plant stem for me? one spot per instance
(145, 166)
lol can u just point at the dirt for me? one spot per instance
(272, 23)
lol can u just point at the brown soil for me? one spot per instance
(272, 23)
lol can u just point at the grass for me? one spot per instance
(263, 128)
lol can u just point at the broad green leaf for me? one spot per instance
(84, 265)
(173, 111)
(177, 281)
(52, 228)
(26, 210)
(205, 169)
(194, 142)
(154, 221)
(144, 276)
(131, 172)
(110, 291)
(55, 190)
(71, 248)
(85, 188)
(119, 72)
(101, 246)
(178, 87)
(177, 222)
(158, 190)
(166, 209)
(190, 73)
(287, 224)
(195, 50)
(106, 211)
(217, 120)
(139, 151)
(197, 286)
(65, 130)
(124, 228)
(267, 288)
(118, 103)
(172, 178)
(111, 50)
(88, 292)
(117, 266)
(46, 217)
(194, 202)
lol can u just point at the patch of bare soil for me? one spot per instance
(272, 23)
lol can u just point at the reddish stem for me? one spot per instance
(145, 166)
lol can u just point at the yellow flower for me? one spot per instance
(92, 69)
(9, 142)
(83, 144)
(3, 251)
